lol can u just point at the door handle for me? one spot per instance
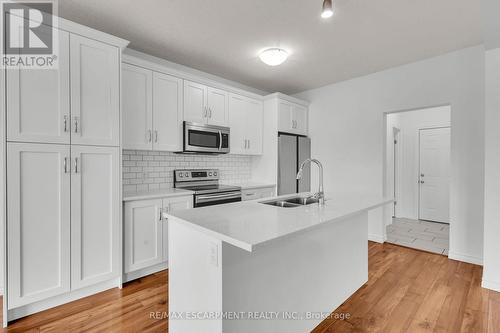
(148, 135)
(421, 182)
(65, 121)
(210, 113)
(220, 140)
(156, 136)
(248, 144)
(65, 165)
(76, 120)
(160, 213)
(76, 164)
(205, 112)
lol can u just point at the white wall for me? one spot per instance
(347, 130)
(410, 124)
(491, 274)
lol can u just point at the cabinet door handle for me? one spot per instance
(160, 213)
(148, 135)
(76, 164)
(205, 112)
(245, 144)
(76, 121)
(210, 113)
(65, 121)
(248, 144)
(156, 136)
(65, 165)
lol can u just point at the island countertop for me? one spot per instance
(250, 224)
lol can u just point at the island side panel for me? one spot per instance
(313, 271)
(194, 279)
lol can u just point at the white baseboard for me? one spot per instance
(488, 284)
(465, 258)
(376, 238)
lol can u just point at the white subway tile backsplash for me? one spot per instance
(152, 170)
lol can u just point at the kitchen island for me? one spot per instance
(254, 267)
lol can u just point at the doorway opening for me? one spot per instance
(418, 176)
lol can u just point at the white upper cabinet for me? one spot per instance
(167, 112)
(255, 110)
(195, 102)
(95, 223)
(245, 120)
(205, 105)
(38, 221)
(292, 118)
(217, 107)
(152, 110)
(95, 92)
(38, 104)
(137, 108)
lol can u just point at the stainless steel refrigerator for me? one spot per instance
(292, 151)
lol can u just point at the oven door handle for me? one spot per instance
(219, 196)
(220, 140)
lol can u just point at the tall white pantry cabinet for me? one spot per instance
(63, 181)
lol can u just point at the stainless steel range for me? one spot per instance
(205, 185)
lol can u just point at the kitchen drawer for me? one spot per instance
(257, 193)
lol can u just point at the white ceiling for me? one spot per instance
(223, 37)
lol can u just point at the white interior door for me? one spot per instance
(167, 112)
(435, 175)
(95, 92)
(38, 222)
(137, 110)
(38, 101)
(95, 206)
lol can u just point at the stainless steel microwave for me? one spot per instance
(206, 139)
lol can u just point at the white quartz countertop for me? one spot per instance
(166, 193)
(253, 185)
(250, 224)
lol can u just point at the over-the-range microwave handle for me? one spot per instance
(220, 140)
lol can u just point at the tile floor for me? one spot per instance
(423, 235)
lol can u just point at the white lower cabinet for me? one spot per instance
(95, 221)
(63, 219)
(257, 193)
(146, 234)
(38, 222)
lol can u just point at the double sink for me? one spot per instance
(292, 202)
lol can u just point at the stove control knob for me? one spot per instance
(215, 174)
(209, 174)
(180, 175)
(186, 174)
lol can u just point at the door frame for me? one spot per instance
(386, 190)
(420, 167)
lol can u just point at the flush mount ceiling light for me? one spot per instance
(273, 56)
(327, 9)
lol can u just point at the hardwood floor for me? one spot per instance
(407, 291)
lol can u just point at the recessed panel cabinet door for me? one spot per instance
(95, 221)
(38, 107)
(195, 101)
(137, 97)
(143, 234)
(95, 92)
(299, 115)
(217, 107)
(285, 121)
(237, 123)
(38, 246)
(167, 112)
(254, 125)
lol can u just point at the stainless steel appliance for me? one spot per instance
(206, 139)
(293, 150)
(206, 187)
